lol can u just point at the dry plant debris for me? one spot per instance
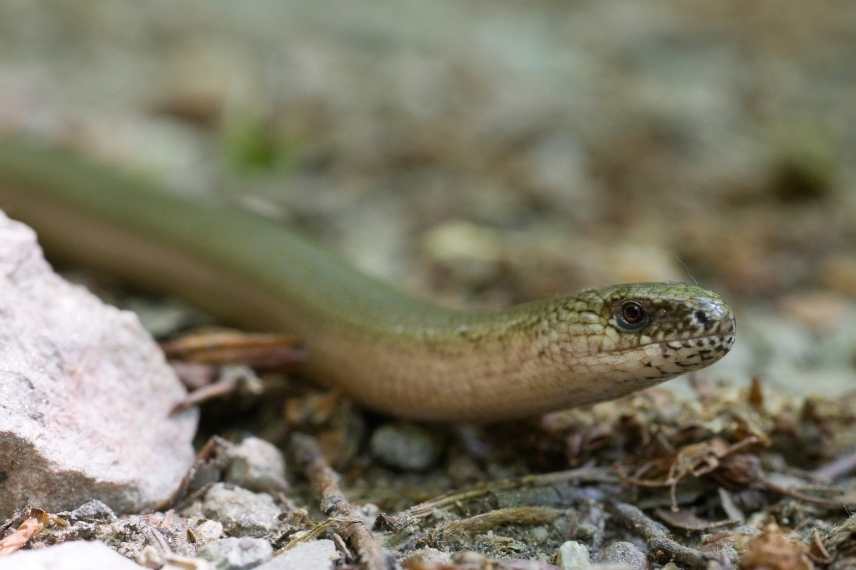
(345, 516)
(223, 346)
(32, 525)
(717, 471)
(775, 549)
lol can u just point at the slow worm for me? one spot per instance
(389, 351)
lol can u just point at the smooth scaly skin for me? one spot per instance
(387, 350)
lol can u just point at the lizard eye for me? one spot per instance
(631, 315)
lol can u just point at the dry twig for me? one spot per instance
(423, 510)
(232, 379)
(325, 482)
(657, 537)
(490, 520)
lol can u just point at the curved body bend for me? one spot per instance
(387, 350)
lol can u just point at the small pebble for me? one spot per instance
(241, 512)
(315, 555)
(207, 531)
(539, 534)
(256, 465)
(625, 554)
(574, 556)
(237, 553)
(404, 446)
(91, 511)
(428, 557)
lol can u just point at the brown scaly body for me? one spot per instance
(387, 350)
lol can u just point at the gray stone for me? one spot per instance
(627, 554)
(539, 533)
(256, 465)
(85, 395)
(406, 446)
(77, 555)
(315, 555)
(90, 511)
(236, 553)
(241, 512)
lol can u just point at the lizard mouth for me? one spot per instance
(669, 358)
(699, 351)
(712, 341)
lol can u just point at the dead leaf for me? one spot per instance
(773, 549)
(22, 535)
(692, 460)
(756, 395)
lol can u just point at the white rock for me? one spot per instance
(78, 555)
(315, 555)
(85, 394)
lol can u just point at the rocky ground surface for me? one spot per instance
(487, 153)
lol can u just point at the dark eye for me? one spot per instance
(631, 315)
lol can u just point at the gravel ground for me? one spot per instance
(484, 153)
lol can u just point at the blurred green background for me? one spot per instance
(490, 152)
